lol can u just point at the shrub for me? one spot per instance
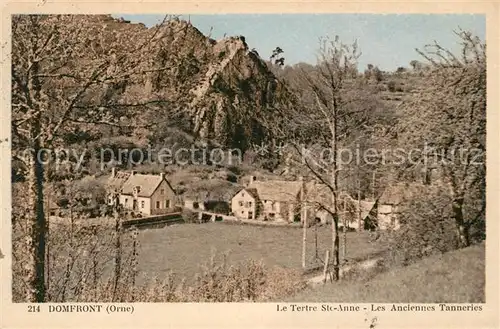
(235, 170)
(189, 216)
(219, 207)
(391, 85)
(427, 227)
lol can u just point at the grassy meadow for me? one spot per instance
(184, 248)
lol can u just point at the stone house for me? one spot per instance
(268, 200)
(147, 194)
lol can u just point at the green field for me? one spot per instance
(184, 248)
(454, 277)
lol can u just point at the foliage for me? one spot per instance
(427, 226)
(190, 216)
(219, 207)
(448, 122)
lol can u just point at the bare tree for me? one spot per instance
(68, 71)
(314, 125)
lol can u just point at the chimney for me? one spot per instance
(134, 172)
(252, 179)
(162, 175)
(113, 172)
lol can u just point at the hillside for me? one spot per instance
(454, 277)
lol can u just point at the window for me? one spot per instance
(241, 203)
(249, 203)
(273, 206)
(167, 203)
(126, 200)
(162, 191)
(142, 204)
(157, 204)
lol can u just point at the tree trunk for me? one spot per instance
(118, 249)
(461, 226)
(335, 219)
(304, 238)
(335, 246)
(36, 221)
(344, 241)
(303, 218)
(344, 233)
(334, 178)
(360, 218)
(36, 226)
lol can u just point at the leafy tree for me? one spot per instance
(401, 69)
(377, 74)
(415, 64)
(426, 225)
(277, 57)
(391, 85)
(448, 122)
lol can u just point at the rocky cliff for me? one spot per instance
(221, 86)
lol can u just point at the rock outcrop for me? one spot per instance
(222, 86)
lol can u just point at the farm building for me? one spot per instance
(279, 200)
(147, 194)
(268, 200)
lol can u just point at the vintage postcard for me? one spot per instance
(253, 164)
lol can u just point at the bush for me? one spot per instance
(427, 227)
(219, 207)
(189, 216)
(391, 85)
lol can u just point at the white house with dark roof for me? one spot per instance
(147, 194)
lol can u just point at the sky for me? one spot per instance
(386, 41)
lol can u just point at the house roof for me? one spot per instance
(276, 190)
(147, 183)
(214, 189)
(125, 182)
(115, 183)
(397, 193)
(366, 208)
(253, 192)
(318, 194)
